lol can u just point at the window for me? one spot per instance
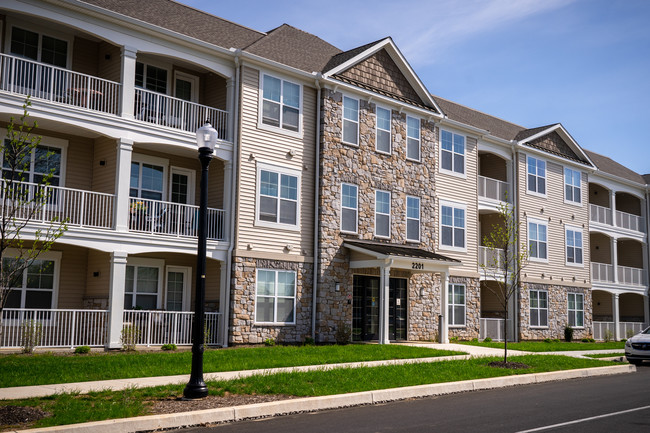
(383, 130)
(46, 49)
(576, 310)
(412, 138)
(275, 296)
(150, 77)
(278, 197)
(538, 308)
(536, 176)
(382, 214)
(573, 246)
(571, 185)
(537, 240)
(412, 218)
(142, 287)
(349, 208)
(452, 233)
(146, 180)
(32, 165)
(350, 120)
(280, 103)
(452, 152)
(36, 285)
(456, 305)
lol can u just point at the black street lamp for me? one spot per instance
(206, 138)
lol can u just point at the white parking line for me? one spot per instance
(548, 427)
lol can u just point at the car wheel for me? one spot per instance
(635, 361)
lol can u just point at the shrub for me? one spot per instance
(169, 346)
(487, 340)
(568, 334)
(129, 337)
(31, 332)
(555, 340)
(309, 341)
(269, 342)
(629, 333)
(475, 340)
(454, 339)
(81, 350)
(343, 333)
(548, 340)
(588, 340)
(608, 335)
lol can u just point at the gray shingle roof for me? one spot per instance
(344, 56)
(610, 166)
(399, 250)
(185, 20)
(647, 178)
(522, 135)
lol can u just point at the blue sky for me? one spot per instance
(584, 63)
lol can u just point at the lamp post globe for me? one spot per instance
(206, 139)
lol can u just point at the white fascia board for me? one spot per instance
(397, 56)
(259, 61)
(335, 85)
(478, 132)
(556, 158)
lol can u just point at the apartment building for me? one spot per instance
(343, 196)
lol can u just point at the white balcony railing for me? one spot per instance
(600, 214)
(51, 83)
(491, 258)
(630, 276)
(159, 109)
(72, 328)
(602, 329)
(629, 221)
(74, 206)
(602, 272)
(492, 188)
(493, 328)
(173, 219)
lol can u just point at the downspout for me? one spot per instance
(515, 211)
(233, 197)
(314, 290)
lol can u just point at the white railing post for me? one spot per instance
(73, 335)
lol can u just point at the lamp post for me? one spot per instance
(206, 138)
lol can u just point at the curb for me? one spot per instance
(312, 404)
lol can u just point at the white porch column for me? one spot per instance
(224, 309)
(646, 311)
(444, 308)
(384, 289)
(612, 203)
(227, 198)
(644, 274)
(617, 316)
(122, 183)
(128, 81)
(230, 108)
(116, 299)
(614, 248)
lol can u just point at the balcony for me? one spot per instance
(602, 272)
(630, 276)
(626, 275)
(491, 258)
(50, 83)
(600, 214)
(492, 189)
(624, 220)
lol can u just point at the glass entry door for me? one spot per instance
(397, 309)
(365, 308)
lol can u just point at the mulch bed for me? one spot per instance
(511, 365)
(20, 415)
(174, 405)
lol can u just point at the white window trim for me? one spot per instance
(568, 227)
(390, 208)
(462, 175)
(26, 25)
(457, 205)
(150, 263)
(280, 170)
(406, 142)
(390, 130)
(419, 219)
(530, 314)
(187, 285)
(279, 129)
(187, 77)
(535, 193)
(571, 202)
(55, 256)
(450, 304)
(153, 160)
(169, 86)
(357, 209)
(275, 296)
(343, 119)
(191, 180)
(538, 222)
(569, 312)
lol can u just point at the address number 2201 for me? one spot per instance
(417, 265)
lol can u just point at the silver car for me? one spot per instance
(637, 348)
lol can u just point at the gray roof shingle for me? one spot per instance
(610, 166)
(399, 250)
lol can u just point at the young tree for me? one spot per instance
(504, 262)
(29, 222)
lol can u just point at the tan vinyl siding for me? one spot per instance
(631, 307)
(103, 179)
(600, 248)
(463, 190)
(269, 147)
(84, 56)
(602, 305)
(109, 62)
(558, 215)
(213, 91)
(100, 262)
(72, 281)
(630, 253)
(493, 166)
(79, 163)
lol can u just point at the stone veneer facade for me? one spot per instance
(370, 170)
(557, 312)
(244, 330)
(472, 309)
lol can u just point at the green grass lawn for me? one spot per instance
(71, 408)
(42, 369)
(542, 346)
(605, 355)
